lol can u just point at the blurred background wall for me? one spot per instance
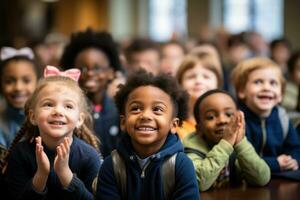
(23, 20)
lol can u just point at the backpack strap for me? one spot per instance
(168, 175)
(120, 172)
(197, 152)
(284, 120)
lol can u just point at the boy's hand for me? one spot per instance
(240, 121)
(230, 132)
(286, 162)
(61, 163)
(43, 166)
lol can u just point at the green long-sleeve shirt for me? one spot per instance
(249, 165)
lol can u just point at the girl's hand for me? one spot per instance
(61, 163)
(43, 166)
(240, 121)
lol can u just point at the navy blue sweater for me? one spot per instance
(84, 162)
(275, 144)
(106, 126)
(149, 187)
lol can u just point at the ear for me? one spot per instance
(110, 74)
(174, 125)
(123, 123)
(80, 120)
(32, 117)
(241, 94)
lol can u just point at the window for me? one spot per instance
(263, 16)
(167, 17)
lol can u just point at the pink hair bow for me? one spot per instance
(53, 71)
(9, 52)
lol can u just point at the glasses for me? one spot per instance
(95, 69)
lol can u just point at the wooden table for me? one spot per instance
(277, 189)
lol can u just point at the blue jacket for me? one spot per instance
(149, 187)
(11, 120)
(84, 162)
(106, 126)
(275, 144)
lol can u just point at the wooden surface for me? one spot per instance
(277, 189)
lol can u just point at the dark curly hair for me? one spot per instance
(91, 39)
(203, 96)
(164, 82)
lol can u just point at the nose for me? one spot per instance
(18, 85)
(222, 119)
(145, 115)
(57, 110)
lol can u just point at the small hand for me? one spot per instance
(42, 160)
(286, 162)
(61, 163)
(43, 166)
(240, 120)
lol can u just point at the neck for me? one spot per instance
(96, 98)
(52, 143)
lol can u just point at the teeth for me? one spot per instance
(145, 129)
(57, 123)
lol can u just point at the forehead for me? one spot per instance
(91, 56)
(149, 94)
(19, 68)
(217, 101)
(58, 91)
(268, 72)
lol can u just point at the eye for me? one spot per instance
(229, 114)
(258, 81)
(47, 104)
(209, 117)
(69, 106)
(27, 80)
(158, 109)
(8, 81)
(135, 109)
(274, 83)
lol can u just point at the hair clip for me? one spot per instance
(53, 71)
(9, 52)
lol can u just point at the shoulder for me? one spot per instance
(82, 149)
(195, 141)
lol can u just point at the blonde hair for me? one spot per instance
(206, 59)
(30, 131)
(241, 72)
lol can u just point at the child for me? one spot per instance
(47, 159)
(198, 73)
(143, 54)
(259, 84)
(219, 149)
(96, 55)
(150, 107)
(172, 54)
(19, 75)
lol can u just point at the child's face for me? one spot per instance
(198, 80)
(96, 70)
(56, 112)
(172, 56)
(262, 91)
(18, 81)
(148, 118)
(217, 111)
(148, 60)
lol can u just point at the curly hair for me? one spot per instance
(80, 41)
(162, 81)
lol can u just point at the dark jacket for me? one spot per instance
(275, 143)
(149, 187)
(106, 126)
(84, 162)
